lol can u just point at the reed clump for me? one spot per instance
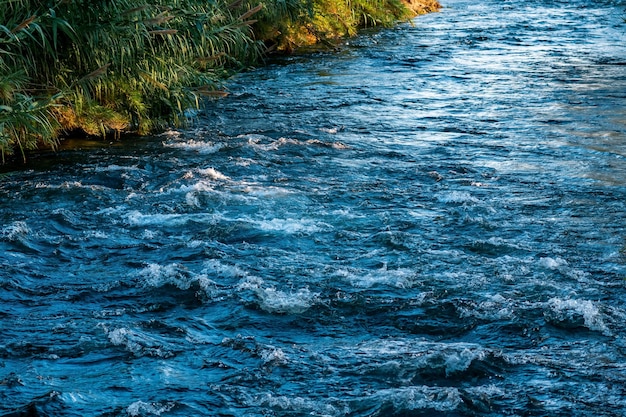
(106, 67)
(298, 23)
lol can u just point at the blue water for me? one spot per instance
(427, 222)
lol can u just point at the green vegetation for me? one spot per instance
(105, 67)
(304, 22)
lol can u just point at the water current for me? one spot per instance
(428, 221)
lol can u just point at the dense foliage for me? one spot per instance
(103, 67)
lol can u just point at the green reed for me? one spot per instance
(105, 67)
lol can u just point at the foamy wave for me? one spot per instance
(458, 197)
(420, 398)
(137, 343)
(195, 145)
(113, 167)
(14, 231)
(562, 266)
(192, 199)
(140, 408)
(250, 283)
(495, 308)
(70, 185)
(215, 267)
(172, 134)
(273, 356)
(574, 313)
(300, 406)
(334, 145)
(202, 186)
(460, 361)
(399, 278)
(266, 143)
(276, 301)
(213, 174)
(195, 190)
(157, 276)
(448, 358)
(136, 218)
(552, 263)
(245, 162)
(290, 225)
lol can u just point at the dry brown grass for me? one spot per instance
(423, 6)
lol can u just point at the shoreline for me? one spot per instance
(142, 81)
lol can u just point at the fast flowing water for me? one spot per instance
(429, 221)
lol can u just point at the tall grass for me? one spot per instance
(311, 21)
(103, 67)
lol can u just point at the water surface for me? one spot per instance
(428, 222)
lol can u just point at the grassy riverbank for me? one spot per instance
(103, 68)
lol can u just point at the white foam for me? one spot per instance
(420, 398)
(192, 199)
(299, 405)
(140, 408)
(136, 343)
(273, 356)
(250, 283)
(192, 192)
(245, 162)
(201, 186)
(333, 145)
(458, 197)
(399, 278)
(172, 134)
(567, 310)
(149, 234)
(276, 301)
(290, 225)
(486, 391)
(261, 191)
(552, 263)
(96, 234)
(15, 230)
(136, 218)
(114, 167)
(71, 184)
(195, 145)
(460, 361)
(215, 267)
(156, 276)
(448, 357)
(256, 141)
(213, 174)
(347, 213)
(496, 307)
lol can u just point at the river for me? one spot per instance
(429, 221)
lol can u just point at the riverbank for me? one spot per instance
(129, 67)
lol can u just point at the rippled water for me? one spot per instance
(428, 222)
